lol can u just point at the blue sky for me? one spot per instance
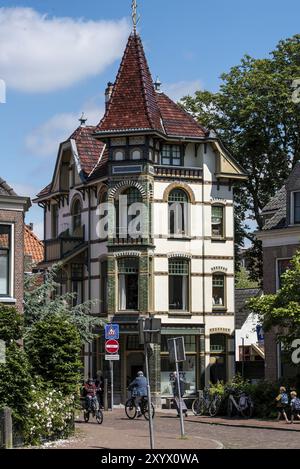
(56, 66)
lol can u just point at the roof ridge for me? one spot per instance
(29, 231)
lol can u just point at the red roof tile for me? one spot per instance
(89, 148)
(176, 120)
(133, 104)
(45, 191)
(33, 247)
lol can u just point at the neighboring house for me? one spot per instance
(247, 347)
(181, 268)
(280, 238)
(12, 211)
(33, 249)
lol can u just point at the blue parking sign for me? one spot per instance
(112, 331)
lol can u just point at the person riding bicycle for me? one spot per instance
(138, 388)
(90, 394)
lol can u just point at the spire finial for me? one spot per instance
(135, 16)
(83, 120)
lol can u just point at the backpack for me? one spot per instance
(296, 404)
(284, 398)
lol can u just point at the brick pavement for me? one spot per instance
(117, 432)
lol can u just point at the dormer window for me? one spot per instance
(296, 204)
(171, 155)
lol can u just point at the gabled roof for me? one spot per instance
(88, 147)
(177, 121)
(33, 247)
(133, 103)
(276, 207)
(5, 189)
(277, 201)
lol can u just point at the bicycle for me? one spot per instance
(243, 405)
(206, 404)
(132, 411)
(93, 410)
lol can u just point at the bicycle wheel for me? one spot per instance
(215, 406)
(198, 407)
(99, 416)
(145, 410)
(130, 409)
(86, 416)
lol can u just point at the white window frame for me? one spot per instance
(10, 298)
(292, 205)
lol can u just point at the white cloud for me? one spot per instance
(44, 140)
(24, 190)
(178, 90)
(40, 53)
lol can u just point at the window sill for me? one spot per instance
(5, 299)
(179, 313)
(219, 309)
(179, 238)
(220, 239)
(128, 311)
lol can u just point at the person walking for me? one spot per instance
(295, 406)
(282, 401)
(178, 393)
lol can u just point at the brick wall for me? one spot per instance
(270, 254)
(17, 218)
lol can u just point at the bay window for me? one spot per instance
(5, 254)
(178, 285)
(128, 280)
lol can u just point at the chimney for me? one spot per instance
(108, 93)
(157, 85)
(30, 226)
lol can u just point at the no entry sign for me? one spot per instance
(112, 346)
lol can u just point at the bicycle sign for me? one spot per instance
(112, 331)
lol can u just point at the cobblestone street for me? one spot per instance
(117, 432)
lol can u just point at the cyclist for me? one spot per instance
(90, 394)
(138, 388)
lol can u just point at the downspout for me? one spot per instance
(89, 272)
(203, 262)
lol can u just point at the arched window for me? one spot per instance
(128, 214)
(178, 213)
(218, 290)
(217, 221)
(179, 284)
(102, 211)
(76, 215)
(128, 279)
(119, 155)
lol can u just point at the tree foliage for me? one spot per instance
(42, 300)
(242, 279)
(282, 310)
(53, 346)
(11, 324)
(257, 120)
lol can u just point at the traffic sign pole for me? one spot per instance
(112, 383)
(179, 392)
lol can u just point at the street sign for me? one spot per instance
(150, 331)
(112, 331)
(179, 354)
(112, 357)
(112, 346)
(260, 333)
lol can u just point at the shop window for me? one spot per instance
(128, 274)
(178, 285)
(218, 290)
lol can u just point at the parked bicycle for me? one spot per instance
(131, 409)
(239, 403)
(94, 410)
(207, 404)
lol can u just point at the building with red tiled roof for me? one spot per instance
(33, 248)
(140, 213)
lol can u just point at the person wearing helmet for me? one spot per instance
(138, 388)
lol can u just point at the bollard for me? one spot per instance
(7, 428)
(105, 396)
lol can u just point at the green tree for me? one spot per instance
(242, 279)
(11, 324)
(41, 300)
(257, 120)
(281, 311)
(53, 346)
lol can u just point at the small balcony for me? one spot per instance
(130, 241)
(178, 172)
(58, 249)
